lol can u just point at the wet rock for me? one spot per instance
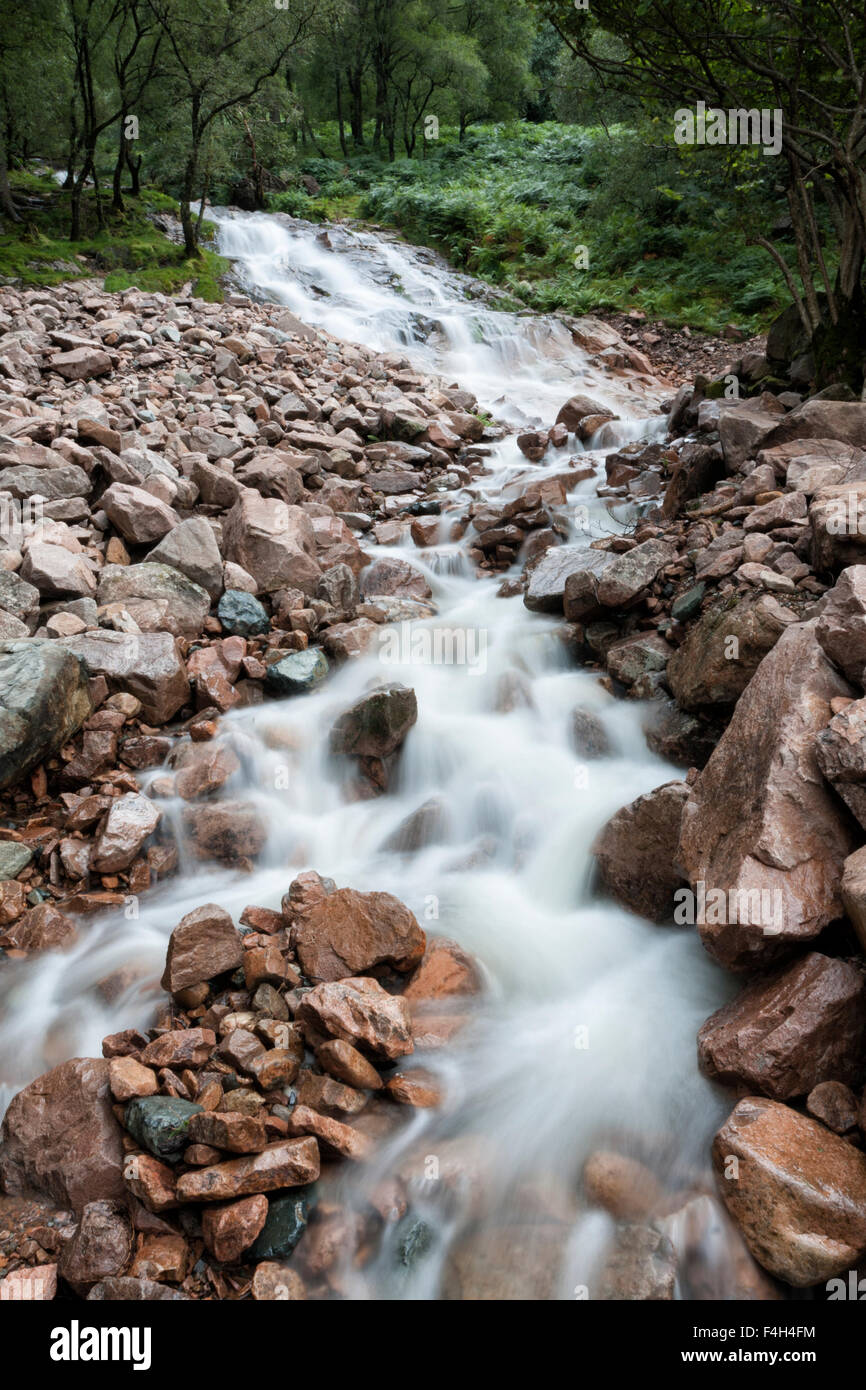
(346, 1064)
(784, 1035)
(161, 1124)
(577, 408)
(230, 831)
(641, 1268)
(139, 516)
(191, 548)
(230, 1230)
(298, 673)
(394, 578)
(360, 1012)
(427, 825)
(723, 650)
(204, 943)
(128, 823)
(100, 1248)
(283, 1227)
(519, 1262)
(621, 1185)
(446, 972)
(376, 725)
(147, 665)
(680, 737)
(43, 928)
(203, 769)
(273, 1282)
(349, 933)
(237, 1134)
(128, 1079)
(639, 655)
(287, 1163)
(336, 1138)
(622, 582)
(569, 568)
(179, 1047)
(60, 1137)
(241, 614)
(161, 1257)
(44, 700)
(796, 1191)
(760, 824)
(636, 852)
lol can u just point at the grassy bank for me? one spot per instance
(128, 250)
(663, 229)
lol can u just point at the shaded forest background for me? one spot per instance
(532, 143)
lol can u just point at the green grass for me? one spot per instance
(665, 227)
(128, 251)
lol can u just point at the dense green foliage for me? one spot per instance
(530, 140)
(661, 226)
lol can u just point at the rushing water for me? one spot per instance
(585, 1034)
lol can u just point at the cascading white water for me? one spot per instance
(586, 1032)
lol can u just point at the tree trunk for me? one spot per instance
(134, 167)
(356, 116)
(117, 180)
(190, 239)
(340, 121)
(839, 346)
(7, 202)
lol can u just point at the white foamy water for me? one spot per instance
(586, 1032)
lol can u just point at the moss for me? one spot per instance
(129, 250)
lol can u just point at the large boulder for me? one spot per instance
(139, 516)
(60, 1138)
(844, 421)
(761, 829)
(159, 597)
(743, 427)
(273, 542)
(636, 850)
(44, 700)
(796, 1190)
(788, 1033)
(545, 590)
(841, 627)
(147, 665)
(376, 725)
(837, 518)
(204, 943)
(391, 577)
(623, 581)
(191, 548)
(350, 933)
(723, 650)
(841, 753)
